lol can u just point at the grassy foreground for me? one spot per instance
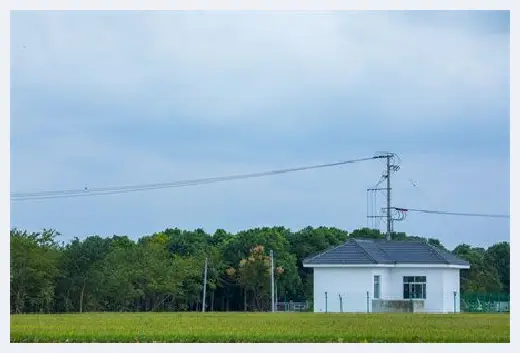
(259, 327)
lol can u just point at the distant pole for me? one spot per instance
(276, 297)
(388, 215)
(272, 280)
(326, 301)
(205, 281)
(455, 301)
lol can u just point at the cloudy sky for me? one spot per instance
(120, 98)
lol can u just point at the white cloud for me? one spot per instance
(229, 67)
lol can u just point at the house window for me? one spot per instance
(414, 287)
(377, 287)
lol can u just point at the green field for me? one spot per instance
(259, 327)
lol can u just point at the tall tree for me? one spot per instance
(34, 269)
(82, 269)
(498, 257)
(164, 271)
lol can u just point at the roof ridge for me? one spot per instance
(436, 252)
(324, 252)
(365, 250)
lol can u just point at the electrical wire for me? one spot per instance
(54, 194)
(451, 213)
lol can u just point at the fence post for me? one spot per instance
(368, 298)
(340, 303)
(454, 301)
(325, 301)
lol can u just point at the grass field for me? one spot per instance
(259, 327)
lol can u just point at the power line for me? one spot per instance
(54, 194)
(451, 213)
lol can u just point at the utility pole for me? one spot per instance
(392, 165)
(388, 213)
(204, 289)
(272, 280)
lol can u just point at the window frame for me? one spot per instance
(415, 287)
(377, 294)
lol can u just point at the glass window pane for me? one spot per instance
(418, 291)
(377, 287)
(406, 291)
(414, 287)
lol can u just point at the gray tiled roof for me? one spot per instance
(381, 252)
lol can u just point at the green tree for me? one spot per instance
(33, 271)
(308, 242)
(498, 257)
(164, 271)
(82, 262)
(479, 278)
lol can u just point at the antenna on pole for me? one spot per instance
(390, 166)
(388, 214)
(205, 281)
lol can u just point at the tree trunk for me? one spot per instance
(67, 300)
(212, 300)
(19, 302)
(81, 298)
(245, 300)
(256, 301)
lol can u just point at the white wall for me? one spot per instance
(353, 284)
(434, 301)
(451, 284)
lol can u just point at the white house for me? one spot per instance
(386, 275)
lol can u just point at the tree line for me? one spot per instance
(164, 271)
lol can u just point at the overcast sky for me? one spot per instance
(117, 98)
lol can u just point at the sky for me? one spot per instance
(102, 99)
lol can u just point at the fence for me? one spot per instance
(293, 306)
(485, 302)
(422, 299)
(364, 302)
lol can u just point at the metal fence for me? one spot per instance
(364, 301)
(293, 306)
(485, 302)
(469, 302)
(439, 301)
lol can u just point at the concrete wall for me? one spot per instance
(451, 284)
(354, 283)
(434, 301)
(397, 306)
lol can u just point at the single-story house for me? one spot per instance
(369, 275)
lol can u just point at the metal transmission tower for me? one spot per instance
(392, 165)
